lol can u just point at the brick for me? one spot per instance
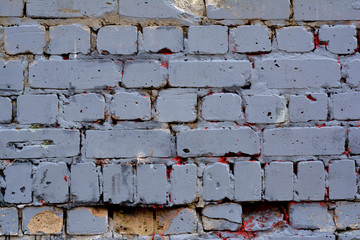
(69, 8)
(148, 179)
(342, 180)
(183, 180)
(228, 211)
(340, 39)
(126, 40)
(304, 141)
(129, 143)
(84, 182)
(168, 38)
(51, 183)
(279, 183)
(311, 106)
(69, 39)
(345, 105)
(19, 188)
(222, 107)
(303, 235)
(138, 221)
(210, 73)
(300, 73)
(349, 235)
(42, 220)
(173, 9)
(347, 215)
(354, 140)
(118, 183)
(329, 10)
(12, 75)
(262, 217)
(310, 181)
(77, 74)
(193, 236)
(310, 216)
(144, 74)
(295, 39)
(11, 8)
(217, 39)
(247, 181)
(38, 143)
(247, 39)
(24, 39)
(176, 221)
(84, 108)
(41, 109)
(5, 110)
(216, 182)
(247, 9)
(86, 221)
(265, 109)
(353, 72)
(129, 106)
(9, 221)
(173, 106)
(219, 225)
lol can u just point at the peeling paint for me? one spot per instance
(45, 222)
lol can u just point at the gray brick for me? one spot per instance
(86, 221)
(51, 183)
(300, 73)
(342, 180)
(118, 183)
(295, 39)
(129, 143)
(210, 73)
(9, 221)
(183, 180)
(18, 177)
(216, 182)
(354, 140)
(311, 106)
(151, 183)
(222, 107)
(11, 8)
(340, 39)
(326, 10)
(144, 74)
(69, 8)
(155, 39)
(310, 216)
(128, 106)
(217, 41)
(24, 39)
(347, 215)
(69, 39)
(310, 182)
(217, 142)
(228, 211)
(304, 141)
(279, 184)
(84, 107)
(346, 105)
(247, 181)
(265, 109)
(78, 74)
(309, 235)
(12, 75)
(176, 221)
(41, 109)
(219, 225)
(172, 106)
(349, 235)
(248, 39)
(84, 182)
(248, 9)
(126, 40)
(5, 110)
(262, 217)
(353, 72)
(35, 220)
(38, 143)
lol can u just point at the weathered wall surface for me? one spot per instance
(169, 119)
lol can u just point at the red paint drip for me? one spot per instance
(310, 97)
(168, 171)
(223, 160)
(317, 41)
(165, 51)
(165, 64)
(42, 202)
(177, 159)
(338, 59)
(252, 62)
(347, 152)
(66, 57)
(65, 178)
(156, 206)
(320, 126)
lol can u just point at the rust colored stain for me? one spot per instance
(310, 97)
(134, 221)
(98, 212)
(45, 222)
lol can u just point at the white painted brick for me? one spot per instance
(279, 185)
(217, 41)
(41, 109)
(130, 106)
(221, 107)
(346, 105)
(342, 180)
(126, 40)
(11, 8)
(247, 39)
(11, 75)
(340, 39)
(311, 106)
(5, 110)
(155, 39)
(295, 39)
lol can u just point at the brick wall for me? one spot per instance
(176, 120)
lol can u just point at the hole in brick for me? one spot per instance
(48, 183)
(269, 114)
(22, 189)
(185, 150)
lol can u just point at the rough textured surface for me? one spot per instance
(86, 221)
(38, 220)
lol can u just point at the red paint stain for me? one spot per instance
(165, 51)
(66, 57)
(320, 126)
(178, 160)
(156, 206)
(252, 62)
(65, 178)
(168, 171)
(338, 59)
(42, 202)
(165, 64)
(234, 49)
(317, 41)
(223, 160)
(326, 194)
(347, 152)
(310, 97)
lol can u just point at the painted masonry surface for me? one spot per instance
(180, 119)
